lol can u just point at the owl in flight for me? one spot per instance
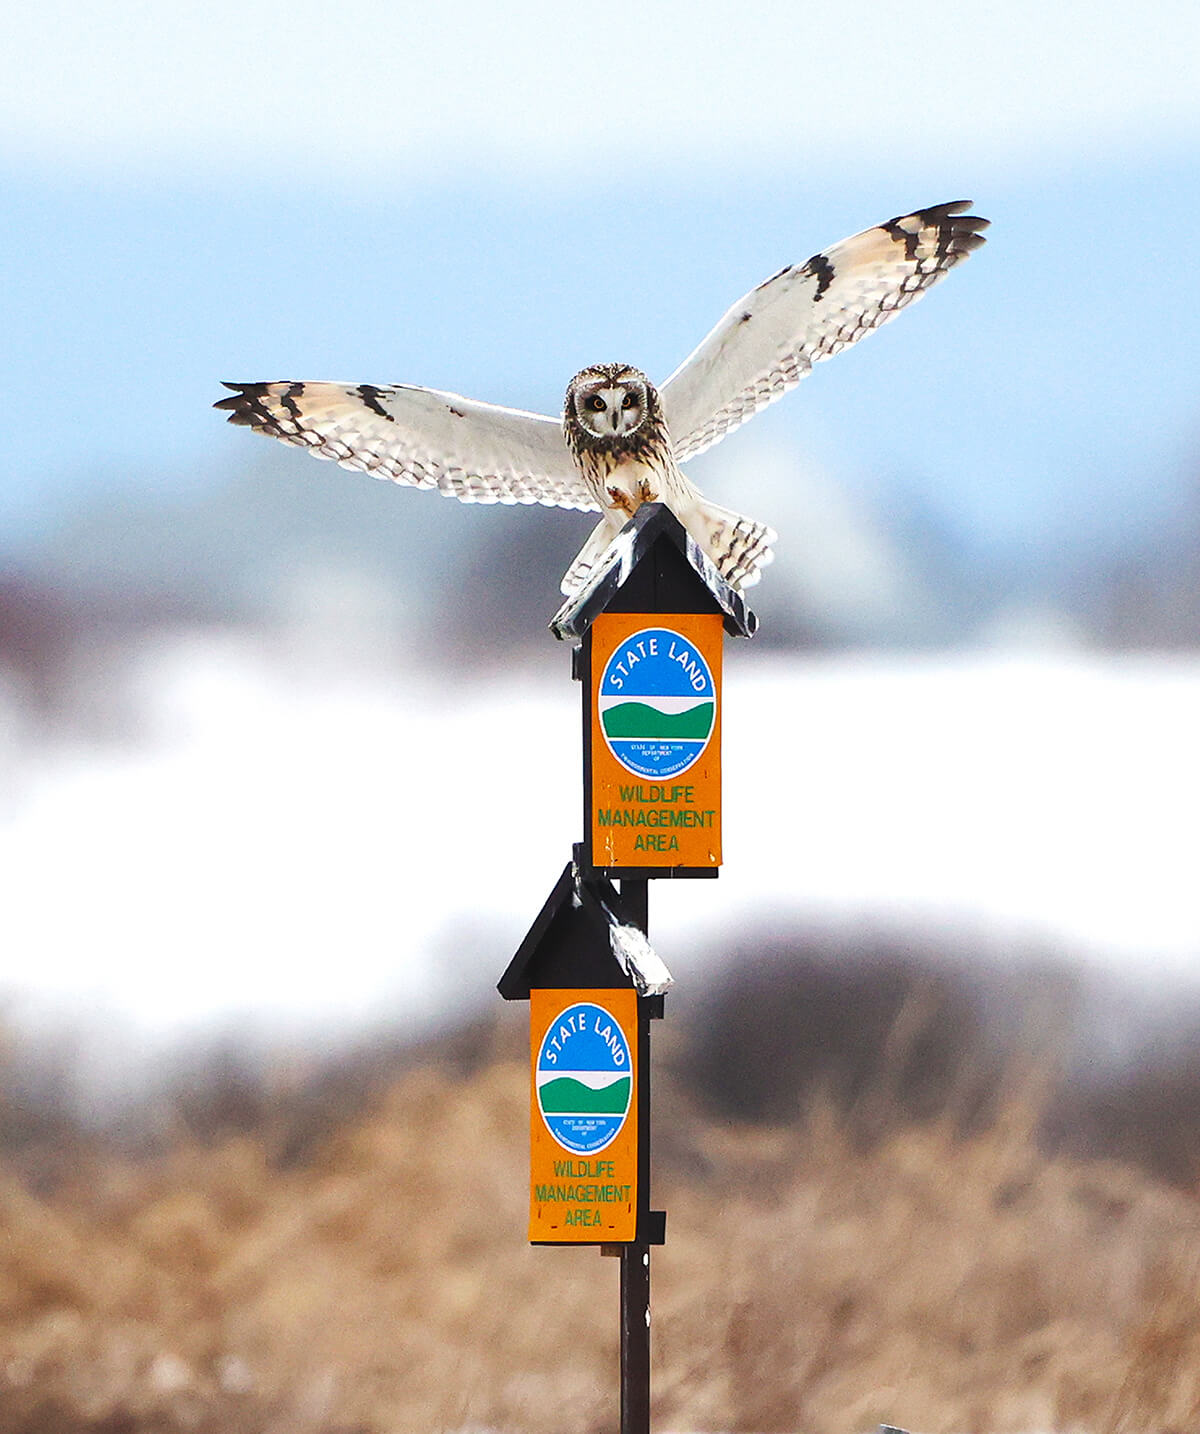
(620, 440)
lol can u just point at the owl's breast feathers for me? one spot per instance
(622, 482)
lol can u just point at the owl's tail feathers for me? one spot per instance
(740, 547)
(588, 557)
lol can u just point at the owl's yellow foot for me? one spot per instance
(618, 498)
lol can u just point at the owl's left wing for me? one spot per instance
(473, 451)
(770, 339)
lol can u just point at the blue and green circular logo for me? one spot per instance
(584, 1078)
(658, 703)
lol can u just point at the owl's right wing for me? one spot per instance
(771, 338)
(473, 451)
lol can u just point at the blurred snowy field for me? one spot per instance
(296, 844)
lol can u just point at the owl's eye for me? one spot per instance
(629, 401)
(596, 403)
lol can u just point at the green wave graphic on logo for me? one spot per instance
(567, 1096)
(637, 719)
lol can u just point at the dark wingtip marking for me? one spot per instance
(943, 211)
(245, 407)
(965, 243)
(239, 392)
(958, 231)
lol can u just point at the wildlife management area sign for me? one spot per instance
(654, 795)
(583, 1182)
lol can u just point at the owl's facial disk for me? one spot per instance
(611, 409)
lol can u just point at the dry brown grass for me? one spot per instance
(810, 1282)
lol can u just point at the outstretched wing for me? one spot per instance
(464, 449)
(770, 339)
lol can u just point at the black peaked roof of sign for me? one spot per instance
(654, 565)
(584, 937)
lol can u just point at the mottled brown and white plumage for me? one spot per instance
(620, 440)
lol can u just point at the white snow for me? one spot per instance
(338, 847)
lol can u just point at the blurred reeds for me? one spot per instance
(893, 1228)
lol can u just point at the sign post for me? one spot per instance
(649, 628)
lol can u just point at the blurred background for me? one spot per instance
(288, 760)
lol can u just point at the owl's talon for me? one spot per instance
(620, 499)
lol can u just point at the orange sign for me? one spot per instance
(584, 1116)
(655, 789)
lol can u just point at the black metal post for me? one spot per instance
(635, 1339)
(635, 1258)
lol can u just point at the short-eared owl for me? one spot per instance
(620, 440)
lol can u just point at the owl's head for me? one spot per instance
(609, 402)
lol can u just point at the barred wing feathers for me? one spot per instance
(770, 339)
(473, 451)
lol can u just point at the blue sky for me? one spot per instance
(484, 199)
